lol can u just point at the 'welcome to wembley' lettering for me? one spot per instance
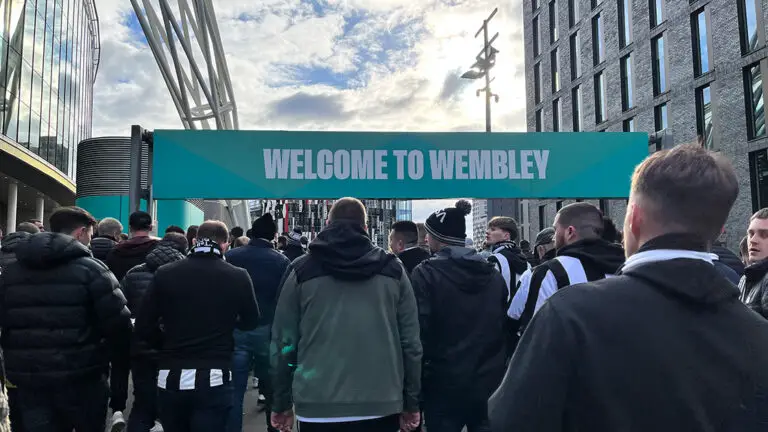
(304, 164)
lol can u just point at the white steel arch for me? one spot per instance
(186, 43)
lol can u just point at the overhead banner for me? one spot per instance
(327, 165)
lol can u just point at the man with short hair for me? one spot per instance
(133, 252)
(544, 245)
(63, 317)
(174, 229)
(266, 267)
(462, 300)
(582, 256)
(754, 284)
(404, 242)
(666, 346)
(13, 240)
(38, 223)
(505, 255)
(347, 316)
(200, 301)
(107, 237)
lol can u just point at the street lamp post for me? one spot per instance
(484, 62)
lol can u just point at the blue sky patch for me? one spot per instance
(132, 23)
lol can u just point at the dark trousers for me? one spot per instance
(120, 369)
(199, 410)
(81, 406)
(144, 411)
(445, 414)
(384, 424)
(251, 353)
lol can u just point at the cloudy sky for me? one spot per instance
(370, 65)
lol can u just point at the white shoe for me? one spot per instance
(255, 382)
(157, 428)
(118, 422)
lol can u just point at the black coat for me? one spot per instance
(292, 252)
(101, 247)
(59, 305)
(462, 310)
(412, 257)
(10, 243)
(754, 287)
(666, 347)
(730, 259)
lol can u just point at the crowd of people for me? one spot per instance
(656, 328)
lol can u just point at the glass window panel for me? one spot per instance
(704, 115)
(748, 21)
(577, 108)
(754, 93)
(598, 43)
(660, 117)
(45, 110)
(537, 82)
(657, 12)
(39, 54)
(536, 36)
(538, 121)
(25, 87)
(555, 71)
(556, 115)
(29, 32)
(659, 65)
(758, 167)
(37, 90)
(628, 125)
(535, 4)
(600, 103)
(23, 132)
(48, 54)
(625, 22)
(49, 14)
(34, 133)
(574, 14)
(553, 28)
(699, 33)
(627, 83)
(575, 56)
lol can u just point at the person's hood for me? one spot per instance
(466, 268)
(521, 264)
(137, 246)
(104, 244)
(692, 280)
(596, 253)
(163, 254)
(756, 272)
(12, 241)
(47, 250)
(345, 251)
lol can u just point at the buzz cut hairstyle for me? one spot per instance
(584, 217)
(214, 230)
(407, 231)
(505, 223)
(350, 209)
(687, 189)
(110, 226)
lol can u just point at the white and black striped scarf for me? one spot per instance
(204, 246)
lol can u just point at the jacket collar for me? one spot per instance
(679, 241)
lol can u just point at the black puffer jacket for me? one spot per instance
(754, 287)
(59, 304)
(101, 247)
(10, 243)
(462, 310)
(293, 252)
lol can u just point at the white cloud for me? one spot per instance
(328, 64)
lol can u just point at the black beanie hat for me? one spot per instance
(264, 227)
(448, 225)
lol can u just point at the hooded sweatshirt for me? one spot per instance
(666, 346)
(462, 299)
(129, 254)
(59, 305)
(345, 338)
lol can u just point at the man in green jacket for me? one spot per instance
(346, 351)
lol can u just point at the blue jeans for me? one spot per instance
(251, 353)
(200, 410)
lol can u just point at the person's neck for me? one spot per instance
(135, 234)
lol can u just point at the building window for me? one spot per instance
(558, 205)
(659, 65)
(627, 83)
(604, 206)
(660, 117)
(751, 36)
(704, 115)
(753, 88)
(535, 4)
(625, 22)
(574, 14)
(628, 125)
(538, 120)
(542, 211)
(596, 3)
(575, 56)
(556, 115)
(555, 71)
(600, 102)
(758, 175)
(553, 31)
(576, 112)
(598, 44)
(536, 37)
(537, 83)
(700, 35)
(657, 12)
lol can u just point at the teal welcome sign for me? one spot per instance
(327, 165)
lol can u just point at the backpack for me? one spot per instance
(537, 278)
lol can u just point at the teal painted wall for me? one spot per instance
(170, 212)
